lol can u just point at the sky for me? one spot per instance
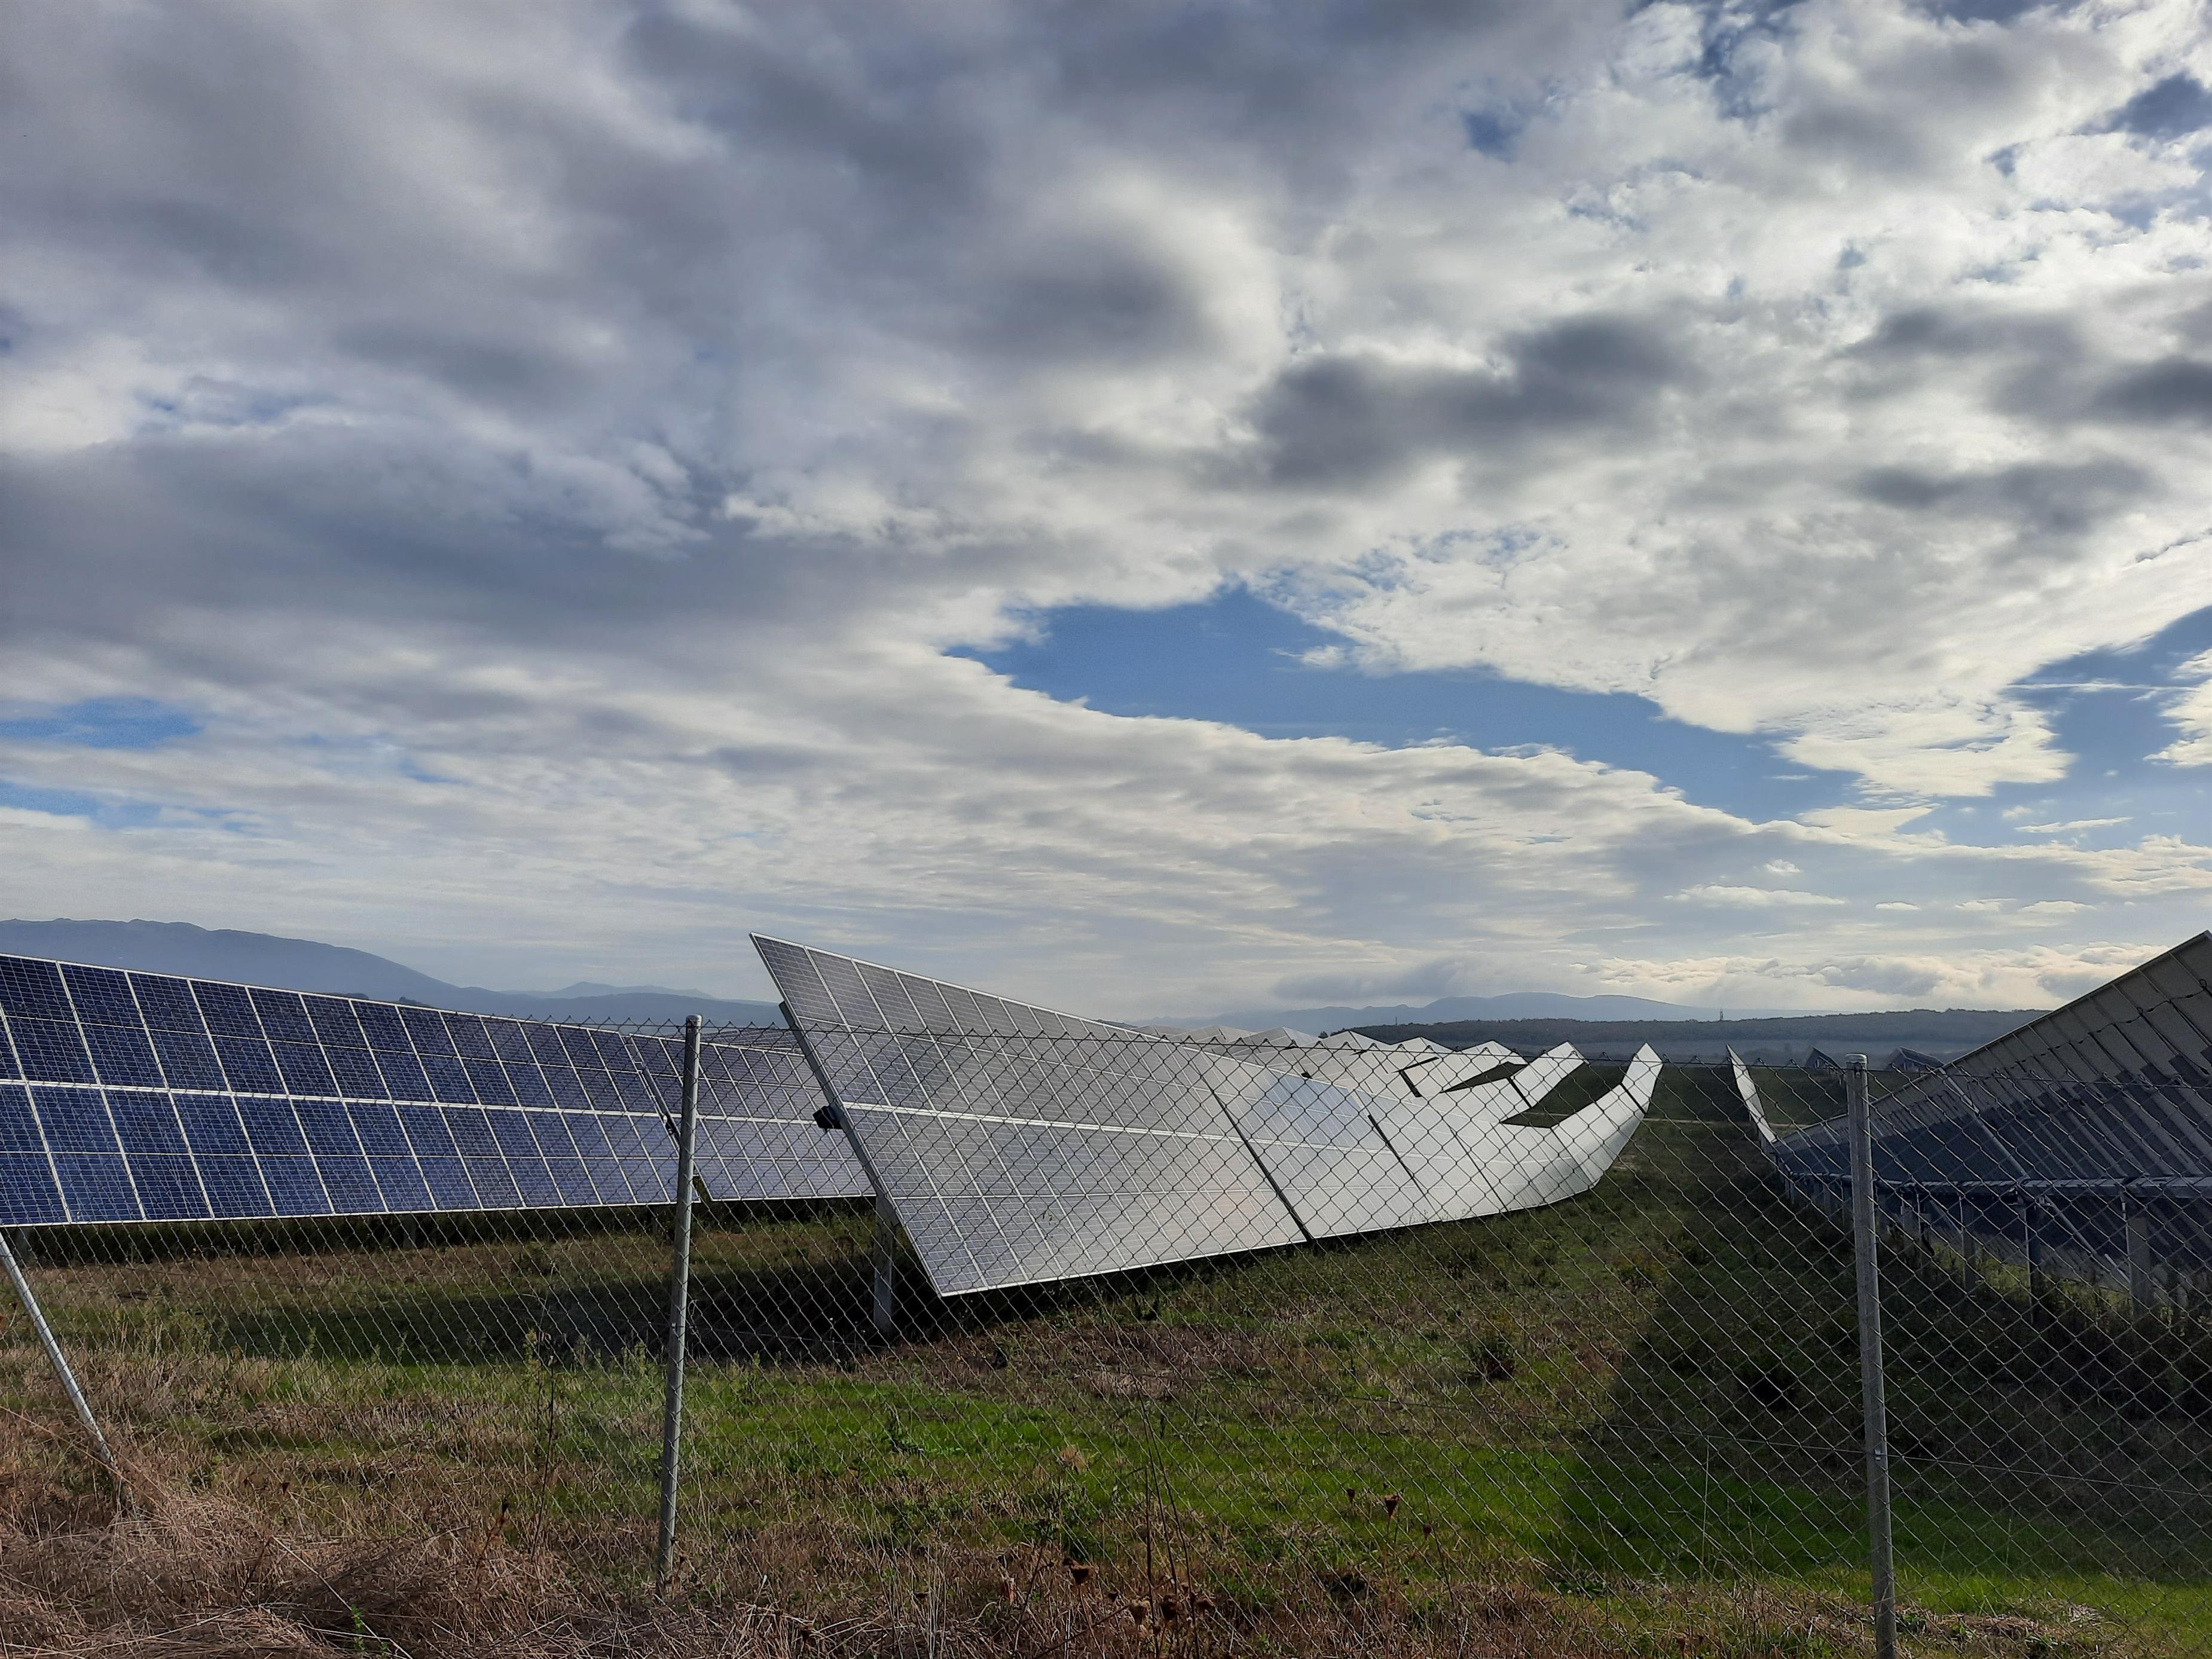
(1153, 508)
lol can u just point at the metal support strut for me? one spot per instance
(1877, 1409)
(886, 1308)
(60, 1363)
(679, 1297)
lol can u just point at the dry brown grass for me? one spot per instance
(186, 1574)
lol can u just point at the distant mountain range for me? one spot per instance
(300, 964)
(1938, 1033)
(1513, 1005)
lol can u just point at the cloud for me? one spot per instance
(1715, 893)
(2190, 710)
(552, 469)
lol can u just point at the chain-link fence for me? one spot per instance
(1629, 1421)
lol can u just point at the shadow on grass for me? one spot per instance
(2047, 1447)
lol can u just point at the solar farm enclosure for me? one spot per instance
(1006, 1323)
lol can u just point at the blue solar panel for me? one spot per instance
(123, 1054)
(188, 1059)
(50, 1050)
(283, 1016)
(33, 990)
(167, 1003)
(250, 1065)
(102, 996)
(148, 1097)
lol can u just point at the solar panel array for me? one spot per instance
(129, 1097)
(2114, 1085)
(1018, 1146)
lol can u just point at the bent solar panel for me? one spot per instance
(127, 1096)
(1017, 1145)
(1020, 1146)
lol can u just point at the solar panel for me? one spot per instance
(1437, 1072)
(1320, 1141)
(128, 1097)
(2117, 1085)
(1521, 1167)
(1473, 1162)
(1018, 1146)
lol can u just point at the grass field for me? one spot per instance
(1627, 1423)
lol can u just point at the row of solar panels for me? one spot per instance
(1015, 1145)
(2116, 1085)
(1020, 1145)
(132, 1096)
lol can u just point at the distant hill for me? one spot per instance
(1944, 1033)
(1512, 1005)
(300, 964)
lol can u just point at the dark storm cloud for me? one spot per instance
(2176, 391)
(1342, 421)
(2048, 501)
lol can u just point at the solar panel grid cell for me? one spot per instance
(227, 1010)
(166, 1003)
(101, 995)
(33, 990)
(50, 1050)
(283, 1016)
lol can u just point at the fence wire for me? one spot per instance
(1626, 1422)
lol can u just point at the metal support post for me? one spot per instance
(59, 1360)
(885, 1310)
(1876, 1405)
(679, 1298)
(2143, 1283)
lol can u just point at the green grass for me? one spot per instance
(1646, 1395)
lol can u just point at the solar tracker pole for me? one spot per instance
(679, 1297)
(1865, 1236)
(60, 1362)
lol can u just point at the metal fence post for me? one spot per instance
(1870, 1377)
(679, 1296)
(60, 1363)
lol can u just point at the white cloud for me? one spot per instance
(619, 419)
(2191, 710)
(1715, 893)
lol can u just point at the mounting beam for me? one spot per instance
(60, 1363)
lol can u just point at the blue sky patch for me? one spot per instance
(2108, 709)
(105, 723)
(1235, 658)
(107, 811)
